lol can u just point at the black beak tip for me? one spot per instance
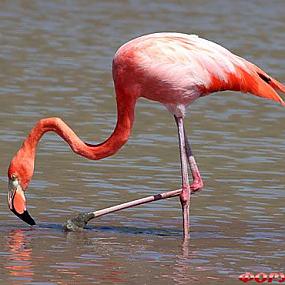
(25, 217)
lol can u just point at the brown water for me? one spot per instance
(55, 60)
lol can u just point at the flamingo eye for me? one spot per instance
(14, 181)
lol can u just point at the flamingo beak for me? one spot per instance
(17, 202)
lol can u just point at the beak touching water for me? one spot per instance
(17, 202)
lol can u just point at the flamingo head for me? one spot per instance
(20, 173)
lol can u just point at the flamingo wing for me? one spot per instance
(176, 69)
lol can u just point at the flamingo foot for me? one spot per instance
(77, 223)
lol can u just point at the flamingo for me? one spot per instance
(173, 69)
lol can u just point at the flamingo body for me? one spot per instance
(175, 69)
(171, 68)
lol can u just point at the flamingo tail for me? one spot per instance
(261, 84)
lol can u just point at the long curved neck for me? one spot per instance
(120, 135)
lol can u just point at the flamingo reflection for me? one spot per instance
(20, 265)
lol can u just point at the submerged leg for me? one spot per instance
(197, 179)
(185, 194)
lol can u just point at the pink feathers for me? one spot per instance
(176, 69)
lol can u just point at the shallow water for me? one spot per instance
(55, 60)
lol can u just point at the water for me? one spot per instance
(55, 60)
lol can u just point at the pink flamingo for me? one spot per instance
(171, 68)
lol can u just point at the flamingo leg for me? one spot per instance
(197, 179)
(185, 193)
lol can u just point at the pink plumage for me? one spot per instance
(175, 69)
(171, 68)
